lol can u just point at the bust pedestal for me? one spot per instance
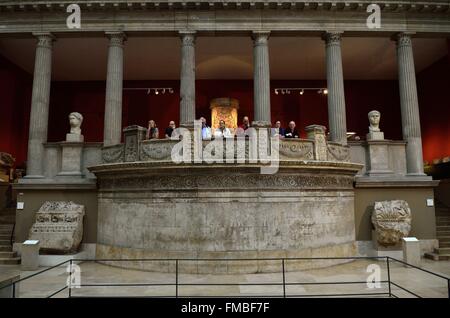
(375, 135)
(72, 151)
(378, 154)
(394, 251)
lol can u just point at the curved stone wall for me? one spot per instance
(162, 210)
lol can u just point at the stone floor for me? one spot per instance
(421, 283)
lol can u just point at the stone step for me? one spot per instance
(5, 242)
(8, 254)
(437, 257)
(7, 219)
(442, 223)
(5, 236)
(442, 233)
(443, 228)
(10, 261)
(443, 250)
(444, 244)
(5, 248)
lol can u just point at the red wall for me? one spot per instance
(15, 102)
(434, 101)
(138, 107)
(88, 98)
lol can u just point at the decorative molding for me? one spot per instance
(113, 154)
(155, 151)
(396, 6)
(169, 18)
(226, 182)
(400, 182)
(298, 150)
(337, 152)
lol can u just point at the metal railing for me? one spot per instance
(284, 283)
(11, 238)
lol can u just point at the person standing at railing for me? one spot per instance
(222, 131)
(291, 131)
(278, 131)
(206, 130)
(152, 131)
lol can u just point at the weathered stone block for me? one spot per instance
(59, 226)
(392, 221)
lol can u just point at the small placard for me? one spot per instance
(430, 202)
(410, 239)
(20, 205)
(31, 242)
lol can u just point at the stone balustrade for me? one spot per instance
(314, 148)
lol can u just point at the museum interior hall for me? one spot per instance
(224, 68)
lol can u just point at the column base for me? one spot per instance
(417, 175)
(70, 174)
(36, 176)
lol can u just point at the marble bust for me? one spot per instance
(374, 120)
(374, 129)
(75, 120)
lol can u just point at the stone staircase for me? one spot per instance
(442, 233)
(7, 256)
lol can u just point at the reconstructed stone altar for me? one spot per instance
(151, 207)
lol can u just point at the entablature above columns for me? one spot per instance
(425, 18)
(129, 5)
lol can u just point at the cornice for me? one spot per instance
(425, 6)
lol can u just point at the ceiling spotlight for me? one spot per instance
(170, 91)
(276, 91)
(282, 91)
(302, 92)
(325, 91)
(164, 91)
(319, 91)
(156, 92)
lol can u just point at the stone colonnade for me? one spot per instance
(261, 70)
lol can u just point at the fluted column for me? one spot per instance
(409, 105)
(114, 84)
(261, 79)
(40, 105)
(335, 83)
(187, 79)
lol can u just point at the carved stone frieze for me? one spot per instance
(59, 226)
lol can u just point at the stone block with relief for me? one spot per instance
(392, 221)
(59, 227)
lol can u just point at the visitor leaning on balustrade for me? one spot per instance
(222, 131)
(291, 131)
(152, 131)
(241, 130)
(278, 131)
(169, 130)
(206, 130)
